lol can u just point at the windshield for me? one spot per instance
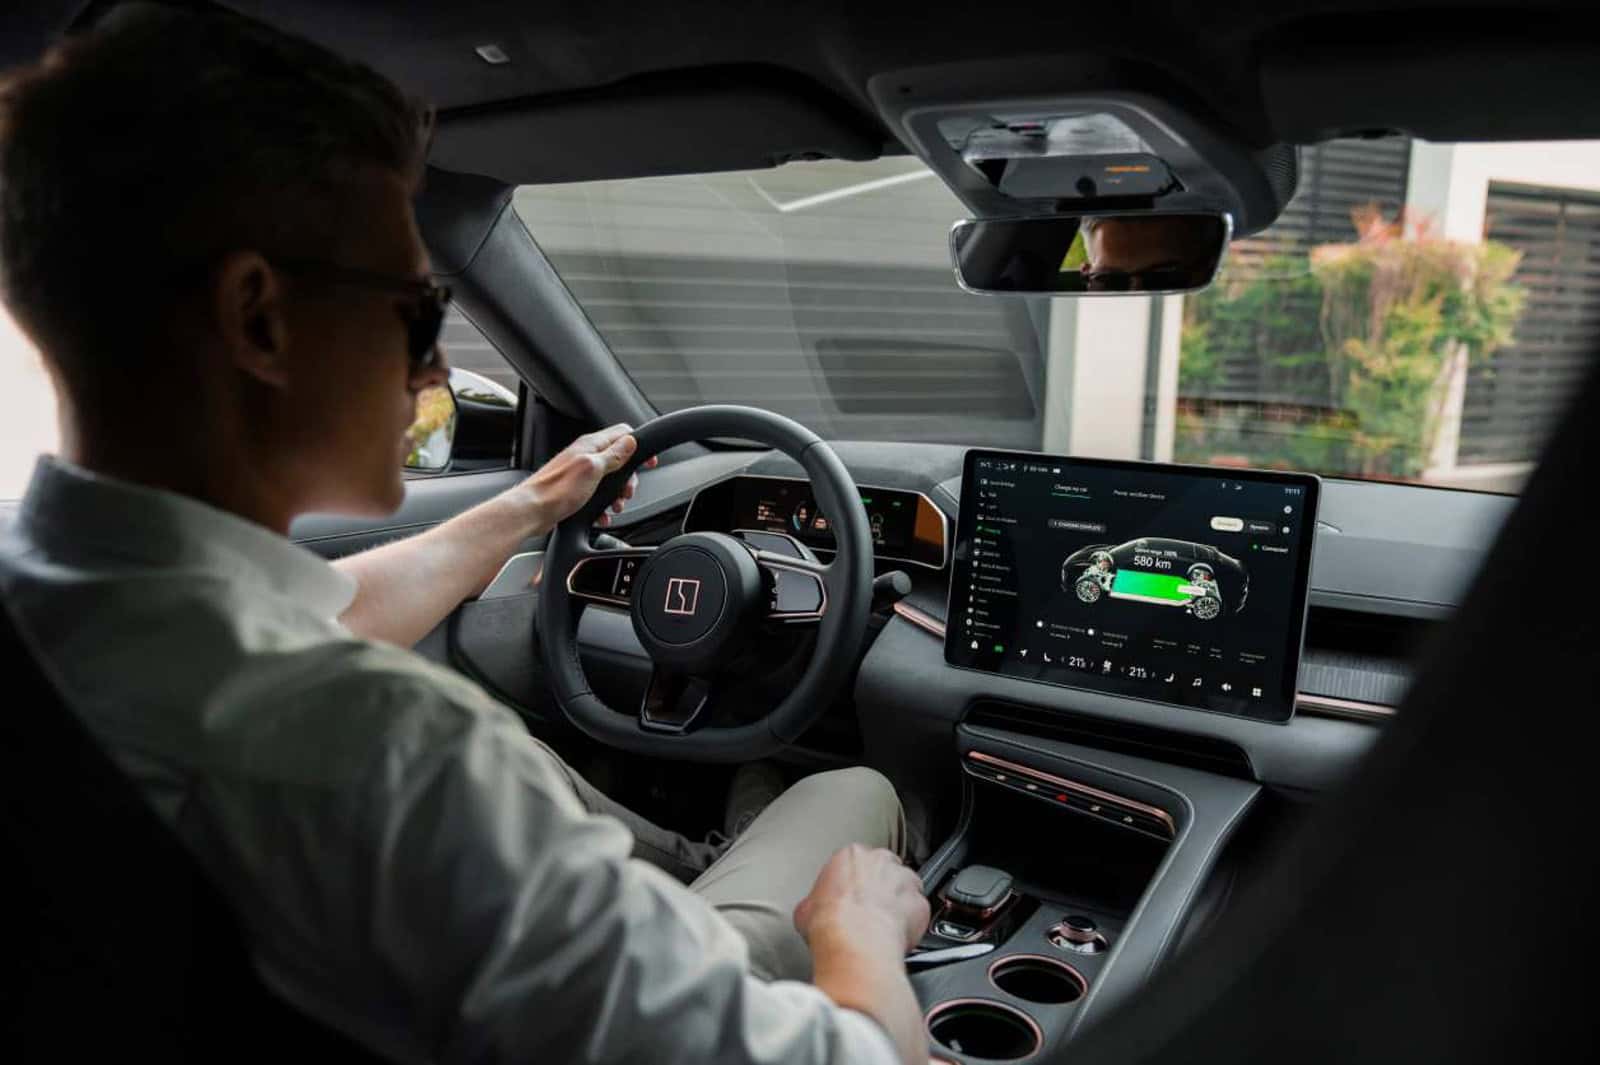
(1419, 313)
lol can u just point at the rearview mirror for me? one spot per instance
(1071, 255)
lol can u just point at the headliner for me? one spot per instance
(1292, 71)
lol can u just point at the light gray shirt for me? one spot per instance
(410, 866)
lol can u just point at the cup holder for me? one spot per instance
(978, 1028)
(1035, 978)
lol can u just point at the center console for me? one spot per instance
(1080, 854)
(1066, 883)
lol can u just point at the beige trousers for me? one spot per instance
(756, 881)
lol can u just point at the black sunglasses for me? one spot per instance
(1153, 280)
(423, 313)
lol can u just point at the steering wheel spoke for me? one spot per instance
(674, 701)
(607, 576)
(797, 588)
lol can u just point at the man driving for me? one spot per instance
(206, 229)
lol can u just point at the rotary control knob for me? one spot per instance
(1078, 934)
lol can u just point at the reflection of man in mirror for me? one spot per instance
(1146, 253)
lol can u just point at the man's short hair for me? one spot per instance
(135, 154)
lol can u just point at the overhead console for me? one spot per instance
(1179, 585)
(1011, 144)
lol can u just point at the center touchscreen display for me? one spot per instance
(1182, 585)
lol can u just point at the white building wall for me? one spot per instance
(1097, 364)
(1108, 377)
(1449, 188)
(1167, 378)
(1450, 182)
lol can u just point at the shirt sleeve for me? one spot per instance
(496, 920)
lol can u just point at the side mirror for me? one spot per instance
(1073, 255)
(471, 425)
(486, 422)
(433, 434)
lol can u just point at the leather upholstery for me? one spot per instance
(117, 946)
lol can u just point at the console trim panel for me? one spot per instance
(1083, 790)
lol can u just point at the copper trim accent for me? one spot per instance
(1072, 935)
(978, 920)
(800, 568)
(595, 597)
(1083, 984)
(981, 915)
(1328, 706)
(920, 618)
(1082, 789)
(1000, 1007)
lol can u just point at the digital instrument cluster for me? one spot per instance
(1181, 585)
(906, 526)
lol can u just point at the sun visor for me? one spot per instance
(653, 126)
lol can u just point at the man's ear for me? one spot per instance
(248, 306)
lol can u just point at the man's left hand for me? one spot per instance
(565, 483)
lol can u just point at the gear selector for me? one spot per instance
(972, 899)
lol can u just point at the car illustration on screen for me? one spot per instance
(1197, 578)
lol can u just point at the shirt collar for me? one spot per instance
(67, 505)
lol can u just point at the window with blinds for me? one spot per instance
(1514, 396)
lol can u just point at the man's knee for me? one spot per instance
(862, 785)
(862, 795)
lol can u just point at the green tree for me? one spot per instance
(1402, 312)
(1357, 346)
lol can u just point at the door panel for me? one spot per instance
(429, 501)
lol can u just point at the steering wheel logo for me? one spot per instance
(683, 596)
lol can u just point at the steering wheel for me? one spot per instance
(697, 599)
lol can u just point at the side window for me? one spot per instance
(478, 431)
(469, 350)
(28, 424)
(485, 411)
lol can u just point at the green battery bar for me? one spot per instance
(1152, 587)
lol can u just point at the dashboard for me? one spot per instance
(1389, 561)
(906, 526)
